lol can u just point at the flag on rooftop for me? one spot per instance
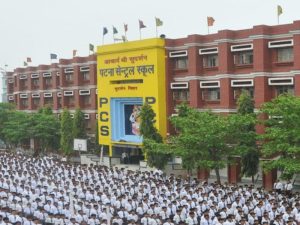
(53, 56)
(141, 24)
(105, 31)
(158, 22)
(74, 52)
(28, 60)
(125, 27)
(91, 47)
(210, 21)
(279, 10)
(25, 63)
(115, 31)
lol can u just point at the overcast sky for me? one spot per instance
(36, 28)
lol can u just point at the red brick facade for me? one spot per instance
(209, 71)
(71, 84)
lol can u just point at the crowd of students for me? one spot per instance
(46, 191)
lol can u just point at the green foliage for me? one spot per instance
(152, 140)
(147, 128)
(45, 129)
(66, 139)
(15, 129)
(5, 110)
(46, 110)
(282, 134)
(203, 140)
(246, 135)
(245, 104)
(78, 125)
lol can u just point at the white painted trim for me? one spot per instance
(58, 74)
(69, 70)
(23, 76)
(96, 116)
(96, 91)
(35, 75)
(84, 69)
(240, 48)
(11, 97)
(35, 95)
(48, 74)
(72, 115)
(208, 51)
(281, 45)
(68, 93)
(78, 64)
(176, 54)
(87, 116)
(23, 95)
(48, 95)
(84, 92)
(185, 85)
(216, 84)
(246, 81)
(235, 76)
(59, 94)
(284, 79)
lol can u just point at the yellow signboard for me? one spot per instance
(130, 74)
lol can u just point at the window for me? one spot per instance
(86, 100)
(285, 55)
(86, 76)
(181, 63)
(71, 100)
(238, 91)
(35, 82)
(284, 90)
(211, 94)
(36, 101)
(181, 95)
(48, 81)
(243, 58)
(48, 101)
(24, 102)
(69, 77)
(210, 61)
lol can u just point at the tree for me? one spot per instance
(15, 129)
(246, 136)
(282, 134)
(78, 125)
(152, 141)
(66, 139)
(45, 129)
(203, 139)
(5, 110)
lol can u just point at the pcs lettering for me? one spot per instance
(104, 115)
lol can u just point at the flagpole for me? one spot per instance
(207, 29)
(140, 34)
(156, 31)
(102, 39)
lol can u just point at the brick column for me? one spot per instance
(262, 91)
(234, 171)
(261, 55)
(297, 84)
(269, 179)
(226, 64)
(296, 51)
(77, 98)
(203, 174)
(76, 76)
(226, 93)
(195, 94)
